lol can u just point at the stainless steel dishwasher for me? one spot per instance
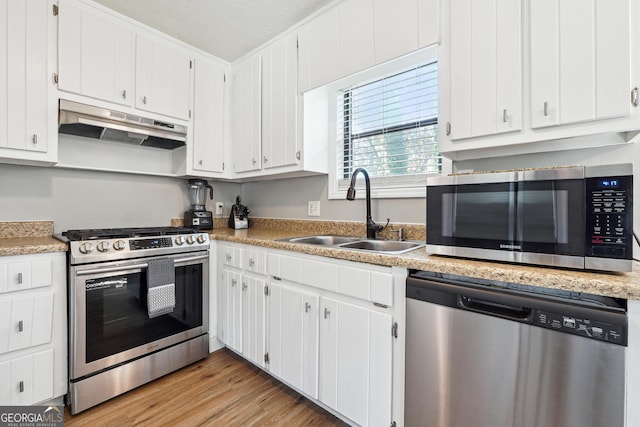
(494, 354)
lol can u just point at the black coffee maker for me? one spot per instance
(198, 217)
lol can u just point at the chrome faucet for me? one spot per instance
(372, 227)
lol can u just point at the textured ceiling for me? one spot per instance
(227, 29)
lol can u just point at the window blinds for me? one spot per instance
(389, 126)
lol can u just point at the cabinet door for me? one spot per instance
(23, 75)
(253, 316)
(319, 47)
(5, 386)
(280, 103)
(486, 89)
(42, 318)
(95, 53)
(356, 362)
(163, 77)
(246, 117)
(310, 325)
(231, 298)
(208, 116)
(355, 20)
(43, 371)
(576, 75)
(41, 273)
(395, 28)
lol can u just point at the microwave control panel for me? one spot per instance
(609, 217)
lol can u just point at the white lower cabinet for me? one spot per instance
(356, 361)
(33, 332)
(322, 326)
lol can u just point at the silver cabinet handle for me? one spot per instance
(546, 108)
(307, 307)
(634, 97)
(228, 257)
(124, 94)
(253, 161)
(244, 286)
(21, 386)
(20, 326)
(505, 116)
(448, 128)
(19, 278)
(200, 162)
(144, 100)
(233, 282)
(34, 139)
(251, 262)
(327, 312)
(265, 159)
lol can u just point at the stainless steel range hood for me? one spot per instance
(100, 123)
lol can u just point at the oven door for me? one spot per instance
(109, 319)
(516, 216)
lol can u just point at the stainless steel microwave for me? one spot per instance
(574, 217)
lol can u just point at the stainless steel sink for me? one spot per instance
(358, 243)
(326, 240)
(389, 246)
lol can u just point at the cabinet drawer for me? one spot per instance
(25, 274)
(29, 379)
(232, 256)
(25, 321)
(285, 267)
(320, 274)
(255, 261)
(366, 284)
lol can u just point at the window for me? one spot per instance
(390, 126)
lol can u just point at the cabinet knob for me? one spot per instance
(233, 282)
(34, 139)
(228, 257)
(307, 307)
(253, 161)
(545, 108)
(200, 162)
(20, 326)
(251, 262)
(265, 159)
(124, 94)
(144, 100)
(244, 286)
(327, 312)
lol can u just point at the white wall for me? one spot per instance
(287, 198)
(76, 199)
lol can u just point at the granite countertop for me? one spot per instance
(620, 285)
(28, 237)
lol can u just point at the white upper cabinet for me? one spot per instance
(395, 28)
(355, 26)
(28, 112)
(580, 61)
(163, 77)
(485, 74)
(208, 117)
(319, 51)
(246, 114)
(95, 54)
(280, 103)
(357, 34)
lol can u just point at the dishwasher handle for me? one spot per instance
(514, 312)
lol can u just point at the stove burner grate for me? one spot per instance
(121, 233)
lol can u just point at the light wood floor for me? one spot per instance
(221, 390)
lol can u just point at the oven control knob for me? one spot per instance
(191, 240)
(179, 240)
(202, 238)
(119, 245)
(104, 246)
(86, 248)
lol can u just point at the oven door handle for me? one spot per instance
(140, 266)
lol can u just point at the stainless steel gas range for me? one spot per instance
(138, 308)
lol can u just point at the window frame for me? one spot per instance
(406, 186)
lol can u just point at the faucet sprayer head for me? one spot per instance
(351, 193)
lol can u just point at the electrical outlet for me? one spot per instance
(313, 208)
(219, 208)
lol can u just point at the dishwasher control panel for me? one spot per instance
(585, 327)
